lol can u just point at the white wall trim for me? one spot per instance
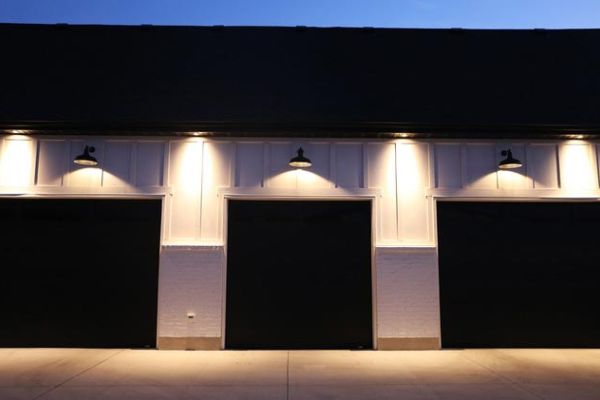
(134, 192)
(405, 248)
(325, 193)
(514, 195)
(191, 247)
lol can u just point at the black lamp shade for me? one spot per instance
(300, 161)
(509, 162)
(85, 158)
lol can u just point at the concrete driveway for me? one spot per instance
(150, 374)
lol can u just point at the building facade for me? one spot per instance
(404, 175)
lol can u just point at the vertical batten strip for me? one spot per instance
(167, 205)
(1, 157)
(396, 189)
(133, 160)
(332, 164)
(597, 146)
(37, 163)
(430, 184)
(266, 161)
(201, 191)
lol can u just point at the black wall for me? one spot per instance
(78, 273)
(299, 275)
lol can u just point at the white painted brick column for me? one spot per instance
(408, 310)
(190, 284)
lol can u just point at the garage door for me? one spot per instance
(78, 273)
(299, 275)
(519, 274)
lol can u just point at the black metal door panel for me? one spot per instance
(299, 275)
(79, 273)
(519, 274)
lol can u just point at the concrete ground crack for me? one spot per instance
(288, 377)
(77, 375)
(511, 382)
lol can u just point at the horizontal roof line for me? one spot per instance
(321, 130)
(296, 27)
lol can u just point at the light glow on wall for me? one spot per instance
(112, 180)
(511, 179)
(578, 171)
(211, 160)
(311, 179)
(187, 171)
(17, 162)
(410, 176)
(83, 176)
(299, 178)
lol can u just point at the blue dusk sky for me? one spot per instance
(503, 14)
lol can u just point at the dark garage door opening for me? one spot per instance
(299, 275)
(79, 273)
(519, 274)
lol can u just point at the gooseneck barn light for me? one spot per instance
(300, 161)
(509, 162)
(85, 158)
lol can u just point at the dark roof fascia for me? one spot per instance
(302, 129)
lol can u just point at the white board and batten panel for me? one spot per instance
(17, 162)
(577, 166)
(53, 162)
(84, 176)
(412, 163)
(542, 165)
(381, 174)
(249, 164)
(217, 165)
(397, 169)
(480, 166)
(149, 163)
(185, 180)
(475, 166)
(349, 165)
(116, 168)
(517, 179)
(122, 163)
(448, 165)
(320, 174)
(279, 174)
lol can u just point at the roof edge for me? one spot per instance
(64, 25)
(304, 129)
